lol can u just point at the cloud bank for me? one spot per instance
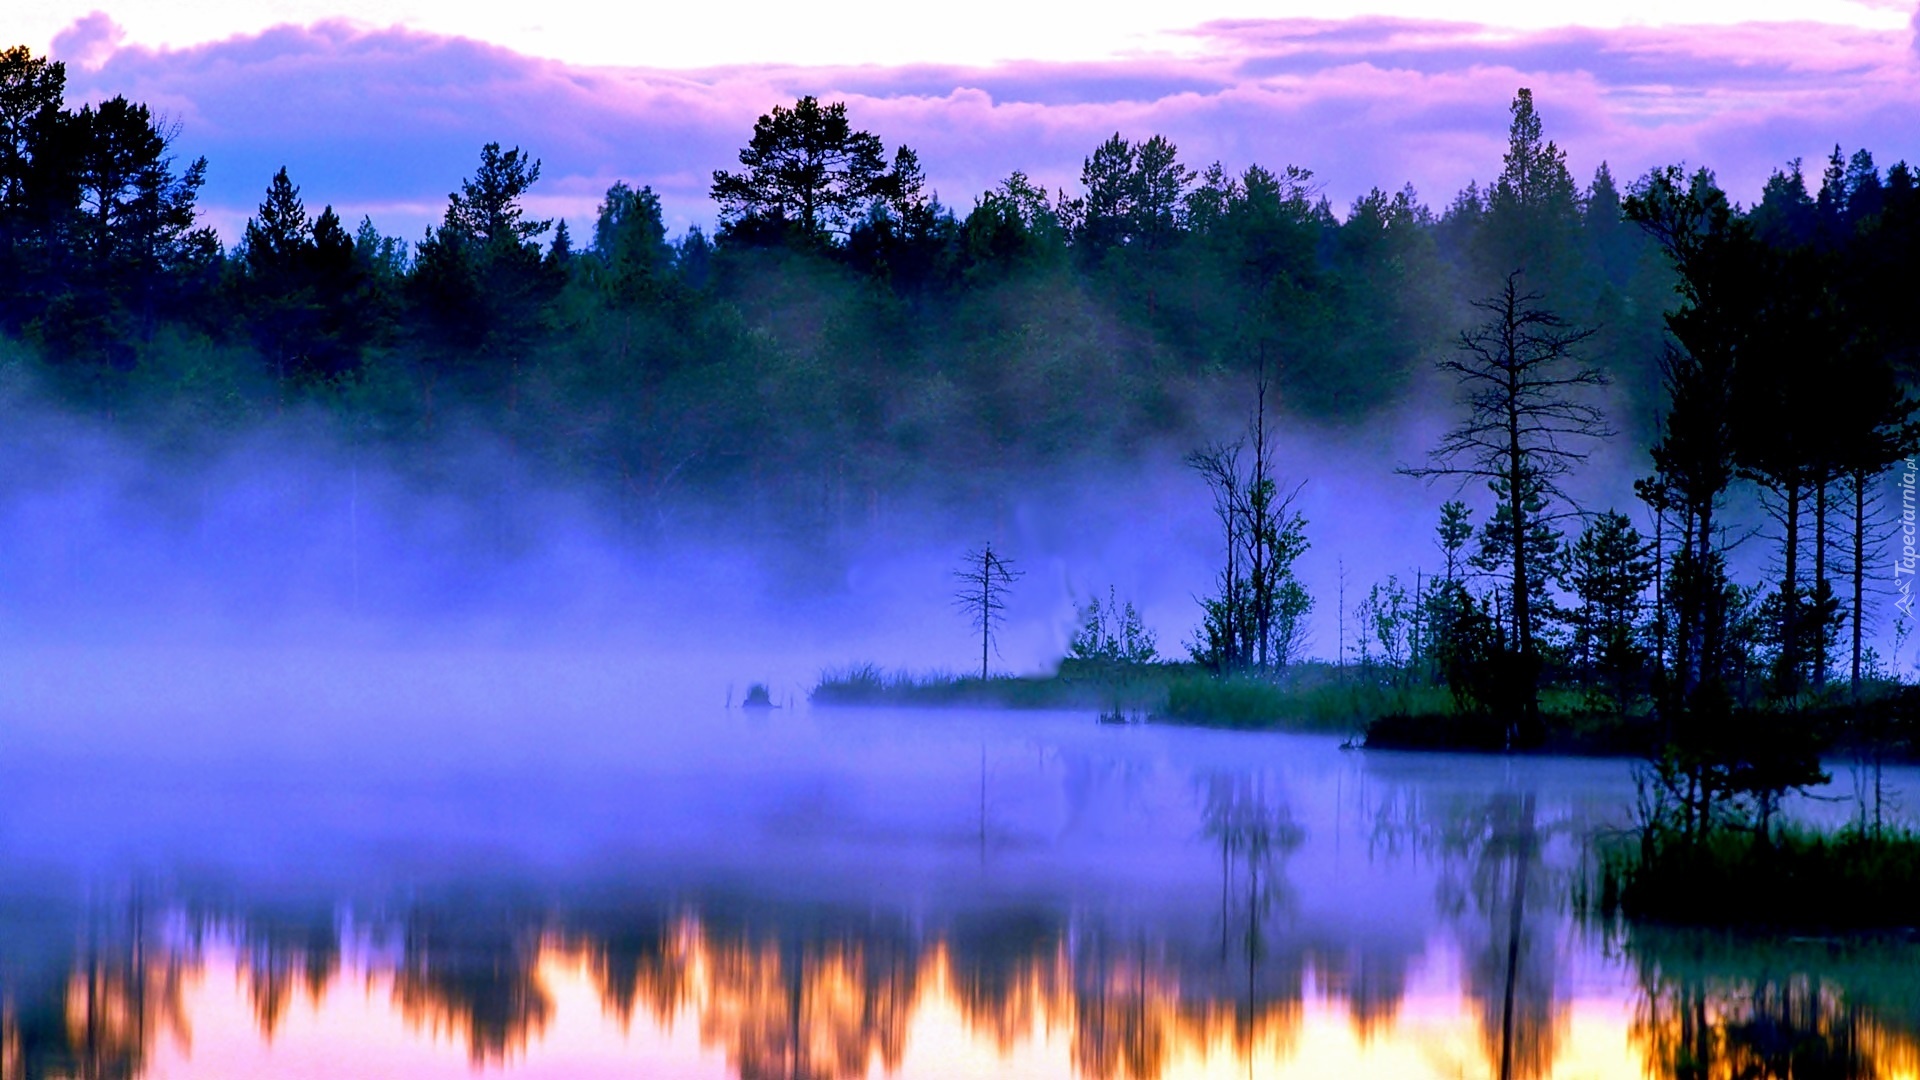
(386, 122)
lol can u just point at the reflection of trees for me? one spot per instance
(1510, 972)
(1714, 1010)
(1506, 899)
(800, 1003)
(1008, 970)
(473, 972)
(1371, 980)
(1255, 833)
(278, 954)
(642, 959)
(786, 991)
(94, 1008)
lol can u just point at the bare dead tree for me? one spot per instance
(1525, 387)
(984, 579)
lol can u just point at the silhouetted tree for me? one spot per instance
(1447, 599)
(1609, 570)
(1257, 619)
(480, 284)
(806, 169)
(32, 89)
(1523, 385)
(1011, 228)
(1532, 209)
(1780, 443)
(303, 291)
(985, 579)
(1693, 458)
(630, 240)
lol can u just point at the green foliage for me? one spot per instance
(1312, 697)
(1113, 634)
(1091, 687)
(1256, 620)
(1133, 198)
(850, 350)
(488, 209)
(1533, 209)
(1389, 626)
(305, 290)
(1229, 701)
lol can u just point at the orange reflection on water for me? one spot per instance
(687, 999)
(1795, 1025)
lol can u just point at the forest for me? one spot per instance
(844, 351)
(839, 339)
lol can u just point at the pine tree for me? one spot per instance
(806, 169)
(1525, 390)
(1532, 220)
(1609, 570)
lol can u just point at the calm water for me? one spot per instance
(315, 886)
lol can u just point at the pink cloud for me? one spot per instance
(90, 41)
(388, 121)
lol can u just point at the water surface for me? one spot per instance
(626, 883)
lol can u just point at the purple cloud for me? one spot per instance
(386, 122)
(89, 41)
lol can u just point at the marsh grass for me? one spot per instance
(1307, 697)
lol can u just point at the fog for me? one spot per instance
(424, 736)
(282, 565)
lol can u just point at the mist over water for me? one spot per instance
(302, 748)
(479, 875)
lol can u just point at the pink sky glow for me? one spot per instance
(385, 121)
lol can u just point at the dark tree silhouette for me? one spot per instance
(302, 288)
(1609, 570)
(1257, 619)
(808, 169)
(480, 284)
(31, 89)
(1532, 208)
(488, 207)
(1523, 385)
(984, 580)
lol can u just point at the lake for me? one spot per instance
(280, 876)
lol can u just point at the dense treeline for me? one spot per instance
(1785, 373)
(1786, 369)
(843, 336)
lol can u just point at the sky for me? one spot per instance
(380, 109)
